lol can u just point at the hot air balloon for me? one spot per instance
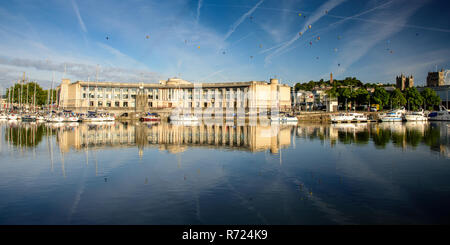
(147, 36)
(299, 14)
(318, 38)
(309, 26)
(310, 43)
(339, 64)
(300, 33)
(107, 38)
(198, 47)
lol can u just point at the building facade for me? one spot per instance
(403, 82)
(435, 79)
(173, 93)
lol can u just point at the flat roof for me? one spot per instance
(157, 85)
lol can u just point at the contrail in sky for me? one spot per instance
(77, 12)
(200, 2)
(240, 20)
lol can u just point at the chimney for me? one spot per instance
(331, 78)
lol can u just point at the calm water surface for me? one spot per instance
(136, 173)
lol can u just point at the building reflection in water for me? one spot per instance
(176, 138)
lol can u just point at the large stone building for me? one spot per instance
(173, 93)
(435, 79)
(403, 82)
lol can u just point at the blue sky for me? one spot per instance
(220, 41)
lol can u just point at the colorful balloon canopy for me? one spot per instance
(309, 26)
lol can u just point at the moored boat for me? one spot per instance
(442, 115)
(183, 118)
(416, 116)
(150, 117)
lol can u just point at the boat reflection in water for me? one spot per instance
(169, 136)
(184, 173)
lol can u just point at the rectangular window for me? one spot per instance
(91, 103)
(125, 96)
(108, 104)
(133, 96)
(117, 104)
(125, 104)
(100, 103)
(84, 96)
(150, 96)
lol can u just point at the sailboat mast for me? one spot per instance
(51, 91)
(34, 97)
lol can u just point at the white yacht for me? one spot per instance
(416, 116)
(56, 117)
(3, 116)
(183, 118)
(342, 117)
(359, 117)
(393, 116)
(442, 115)
(93, 118)
(12, 117)
(108, 117)
(284, 119)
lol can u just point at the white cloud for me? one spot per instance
(357, 47)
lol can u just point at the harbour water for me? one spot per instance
(138, 173)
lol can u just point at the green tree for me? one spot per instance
(345, 95)
(397, 98)
(413, 98)
(332, 93)
(431, 99)
(26, 91)
(361, 96)
(380, 96)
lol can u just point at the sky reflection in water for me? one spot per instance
(115, 173)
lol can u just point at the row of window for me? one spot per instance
(154, 90)
(110, 104)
